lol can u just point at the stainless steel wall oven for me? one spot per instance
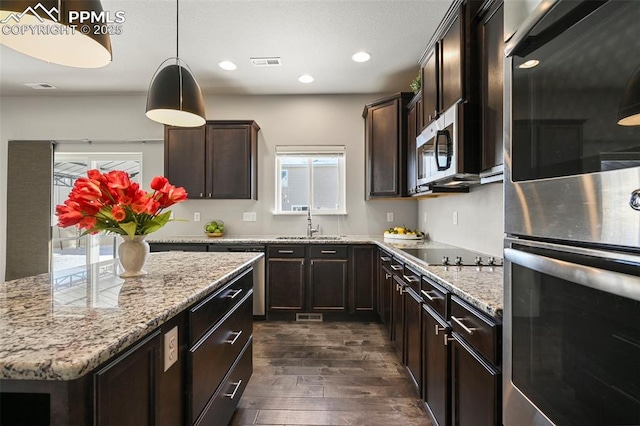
(572, 255)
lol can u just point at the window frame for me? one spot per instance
(310, 152)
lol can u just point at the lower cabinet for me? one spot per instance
(328, 285)
(413, 337)
(385, 290)
(436, 366)
(285, 278)
(397, 316)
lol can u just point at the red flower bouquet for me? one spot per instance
(110, 202)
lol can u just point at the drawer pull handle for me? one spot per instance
(233, 394)
(385, 258)
(235, 293)
(464, 327)
(387, 276)
(237, 333)
(396, 267)
(428, 295)
(285, 251)
(439, 329)
(327, 252)
(447, 339)
(411, 278)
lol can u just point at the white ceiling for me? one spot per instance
(311, 36)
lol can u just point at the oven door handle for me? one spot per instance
(436, 151)
(617, 283)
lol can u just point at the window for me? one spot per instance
(310, 178)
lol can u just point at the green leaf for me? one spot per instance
(129, 228)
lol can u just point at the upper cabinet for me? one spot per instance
(490, 36)
(215, 161)
(386, 146)
(447, 62)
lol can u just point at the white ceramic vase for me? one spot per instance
(132, 253)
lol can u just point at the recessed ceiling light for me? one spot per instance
(361, 56)
(529, 64)
(306, 78)
(227, 65)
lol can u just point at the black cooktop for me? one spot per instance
(452, 256)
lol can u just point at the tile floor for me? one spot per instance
(327, 373)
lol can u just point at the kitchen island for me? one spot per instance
(71, 342)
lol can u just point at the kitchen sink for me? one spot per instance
(300, 237)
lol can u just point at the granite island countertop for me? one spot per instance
(63, 325)
(480, 286)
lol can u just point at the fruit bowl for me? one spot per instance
(214, 228)
(402, 233)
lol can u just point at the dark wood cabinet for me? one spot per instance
(385, 290)
(413, 337)
(475, 390)
(285, 278)
(328, 285)
(215, 161)
(490, 37)
(126, 391)
(386, 146)
(431, 86)
(397, 316)
(363, 279)
(436, 366)
(414, 127)
(451, 68)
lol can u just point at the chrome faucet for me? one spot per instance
(310, 230)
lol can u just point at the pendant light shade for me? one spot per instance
(174, 96)
(629, 109)
(43, 30)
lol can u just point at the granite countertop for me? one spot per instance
(62, 326)
(482, 286)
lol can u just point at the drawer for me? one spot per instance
(215, 353)
(286, 251)
(412, 279)
(397, 267)
(481, 331)
(328, 252)
(221, 407)
(436, 297)
(385, 259)
(207, 313)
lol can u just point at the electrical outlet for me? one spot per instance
(196, 216)
(170, 348)
(249, 216)
(425, 217)
(455, 218)
(390, 217)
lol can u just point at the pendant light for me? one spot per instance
(42, 29)
(174, 97)
(629, 109)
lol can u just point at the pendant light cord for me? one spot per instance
(177, 28)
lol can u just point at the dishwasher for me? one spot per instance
(259, 306)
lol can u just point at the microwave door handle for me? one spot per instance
(617, 283)
(449, 145)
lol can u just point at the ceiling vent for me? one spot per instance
(273, 61)
(41, 86)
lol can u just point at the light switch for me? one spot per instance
(390, 217)
(249, 216)
(196, 216)
(455, 218)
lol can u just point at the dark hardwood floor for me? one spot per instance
(327, 373)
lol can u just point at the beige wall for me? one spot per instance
(480, 219)
(284, 120)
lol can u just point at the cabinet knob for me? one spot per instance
(201, 195)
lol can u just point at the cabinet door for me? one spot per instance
(451, 64)
(384, 155)
(413, 337)
(126, 388)
(430, 87)
(386, 289)
(475, 389)
(492, 51)
(285, 284)
(229, 160)
(328, 285)
(363, 283)
(397, 313)
(436, 367)
(412, 133)
(184, 159)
